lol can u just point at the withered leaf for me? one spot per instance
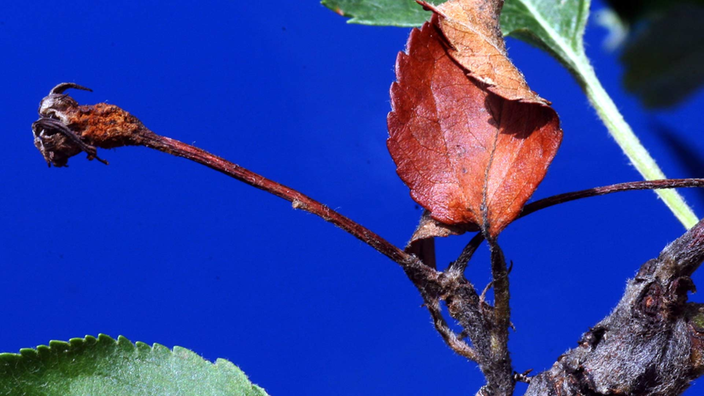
(422, 244)
(472, 30)
(470, 157)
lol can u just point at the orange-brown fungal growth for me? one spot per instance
(105, 125)
(65, 128)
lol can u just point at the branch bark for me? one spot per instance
(653, 341)
(501, 359)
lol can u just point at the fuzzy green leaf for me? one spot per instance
(103, 366)
(403, 13)
(555, 26)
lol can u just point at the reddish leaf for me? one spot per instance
(471, 28)
(471, 157)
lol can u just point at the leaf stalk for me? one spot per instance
(628, 141)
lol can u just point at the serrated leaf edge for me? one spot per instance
(122, 343)
(354, 20)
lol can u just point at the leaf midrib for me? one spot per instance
(574, 58)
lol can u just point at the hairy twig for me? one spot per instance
(463, 305)
(501, 360)
(460, 265)
(452, 340)
(482, 297)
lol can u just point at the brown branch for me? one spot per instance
(460, 265)
(82, 128)
(501, 360)
(298, 200)
(463, 305)
(451, 339)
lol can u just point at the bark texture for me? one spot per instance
(651, 344)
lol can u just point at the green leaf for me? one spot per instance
(105, 367)
(555, 26)
(663, 60)
(403, 13)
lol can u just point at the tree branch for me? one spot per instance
(658, 293)
(451, 339)
(461, 263)
(653, 341)
(502, 371)
(82, 128)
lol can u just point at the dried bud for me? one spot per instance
(56, 142)
(65, 128)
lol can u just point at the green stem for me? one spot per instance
(631, 146)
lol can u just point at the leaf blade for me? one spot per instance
(557, 27)
(469, 156)
(401, 13)
(104, 366)
(530, 21)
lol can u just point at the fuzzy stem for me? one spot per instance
(629, 142)
(460, 265)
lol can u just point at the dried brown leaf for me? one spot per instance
(429, 227)
(472, 30)
(422, 244)
(470, 156)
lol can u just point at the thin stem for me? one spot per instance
(460, 265)
(455, 343)
(592, 192)
(629, 142)
(299, 201)
(499, 274)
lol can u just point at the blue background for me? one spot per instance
(159, 249)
